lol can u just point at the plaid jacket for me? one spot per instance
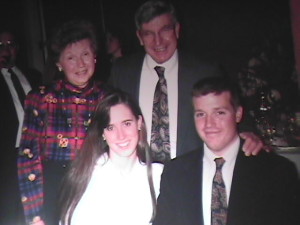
(55, 125)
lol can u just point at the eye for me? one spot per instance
(221, 112)
(168, 28)
(70, 58)
(146, 33)
(109, 128)
(86, 53)
(127, 123)
(199, 114)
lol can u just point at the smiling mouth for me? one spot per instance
(212, 133)
(83, 72)
(160, 49)
(122, 145)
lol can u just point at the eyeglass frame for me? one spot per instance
(8, 44)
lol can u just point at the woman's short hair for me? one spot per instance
(71, 32)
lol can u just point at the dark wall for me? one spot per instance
(225, 31)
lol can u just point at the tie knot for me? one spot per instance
(10, 71)
(219, 163)
(160, 71)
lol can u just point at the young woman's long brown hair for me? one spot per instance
(79, 175)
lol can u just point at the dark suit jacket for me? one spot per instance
(9, 192)
(264, 191)
(126, 74)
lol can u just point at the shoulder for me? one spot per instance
(197, 67)
(44, 89)
(101, 87)
(272, 163)
(33, 76)
(193, 59)
(185, 161)
(279, 161)
(129, 61)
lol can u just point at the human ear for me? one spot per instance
(139, 37)
(238, 114)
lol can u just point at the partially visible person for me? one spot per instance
(113, 50)
(158, 30)
(217, 183)
(112, 181)
(15, 82)
(113, 46)
(57, 117)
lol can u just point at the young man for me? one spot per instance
(256, 190)
(157, 29)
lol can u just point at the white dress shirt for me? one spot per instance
(18, 106)
(116, 198)
(209, 170)
(148, 82)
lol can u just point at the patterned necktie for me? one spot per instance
(160, 137)
(218, 198)
(18, 86)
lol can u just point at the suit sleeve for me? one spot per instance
(290, 197)
(29, 161)
(165, 208)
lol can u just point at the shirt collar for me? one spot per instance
(230, 154)
(171, 63)
(5, 70)
(63, 84)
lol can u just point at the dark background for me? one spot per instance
(225, 31)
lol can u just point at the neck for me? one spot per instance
(124, 164)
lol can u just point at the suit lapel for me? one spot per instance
(192, 200)
(183, 102)
(134, 75)
(242, 187)
(185, 127)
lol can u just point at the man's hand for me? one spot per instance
(253, 144)
(37, 221)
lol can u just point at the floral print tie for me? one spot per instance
(160, 137)
(218, 198)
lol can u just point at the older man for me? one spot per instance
(171, 130)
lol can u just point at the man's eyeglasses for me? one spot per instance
(8, 44)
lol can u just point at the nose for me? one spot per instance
(210, 121)
(120, 134)
(157, 39)
(80, 62)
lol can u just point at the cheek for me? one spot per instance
(67, 66)
(109, 136)
(199, 126)
(133, 133)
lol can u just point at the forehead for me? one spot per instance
(158, 22)
(6, 36)
(120, 112)
(79, 45)
(213, 101)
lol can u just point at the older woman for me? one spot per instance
(112, 181)
(56, 120)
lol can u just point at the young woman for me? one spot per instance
(112, 181)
